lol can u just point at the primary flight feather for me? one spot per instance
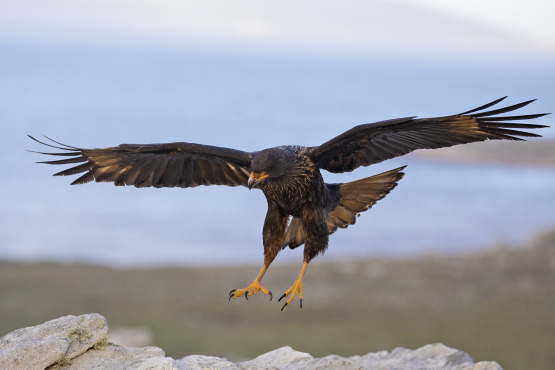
(302, 209)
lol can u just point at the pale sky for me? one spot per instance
(356, 27)
(533, 20)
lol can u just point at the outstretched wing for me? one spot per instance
(371, 143)
(159, 165)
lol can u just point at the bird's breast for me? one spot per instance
(293, 194)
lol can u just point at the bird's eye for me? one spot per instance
(267, 169)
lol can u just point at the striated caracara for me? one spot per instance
(302, 209)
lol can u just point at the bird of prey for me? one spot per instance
(302, 209)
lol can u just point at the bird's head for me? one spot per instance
(268, 164)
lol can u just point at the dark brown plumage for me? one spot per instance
(302, 209)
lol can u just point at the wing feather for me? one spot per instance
(372, 143)
(206, 172)
(158, 165)
(197, 175)
(186, 179)
(159, 171)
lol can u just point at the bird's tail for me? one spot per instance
(350, 199)
(359, 196)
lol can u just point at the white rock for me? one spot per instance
(279, 359)
(369, 358)
(37, 347)
(68, 341)
(114, 357)
(197, 362)
(325, 363)
(485, 365)
(430, 357)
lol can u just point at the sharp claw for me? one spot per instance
(247, 295)
(231, 296)
(271, 296)
(233, 291)
(280, 298)
(301, 303)
(284, 306)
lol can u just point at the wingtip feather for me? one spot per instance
(52, 146)
(484, 106)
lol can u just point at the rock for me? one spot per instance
(324, 363)
(80, 343)
(279, 359)
(114, 357)
(429, 357)
(197, 362)
(55, 341)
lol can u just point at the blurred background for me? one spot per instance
(460, 252)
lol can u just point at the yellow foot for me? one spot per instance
(296, 288)
(254, 288)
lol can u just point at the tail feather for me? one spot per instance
(359, 196)
(351, 199)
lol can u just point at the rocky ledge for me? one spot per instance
(81, 343)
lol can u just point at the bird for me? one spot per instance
(302, 208)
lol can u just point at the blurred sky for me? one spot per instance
(250, 75)
(350, 28)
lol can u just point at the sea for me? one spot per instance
(97, 97)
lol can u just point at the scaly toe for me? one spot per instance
(296, 288)
(252, 289)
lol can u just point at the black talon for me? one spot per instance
(271, 296)
(301, 303)
(247, 295)
(280, 298)
(233, 291)
(284, 306)
(231, 296)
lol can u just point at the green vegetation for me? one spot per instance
(102, 343)
(78, 333)
(497, 306)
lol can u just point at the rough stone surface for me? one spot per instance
(123, 358)
(38, 347)
(430, 357)
(68, 343)
(279, 359)
(197, 362)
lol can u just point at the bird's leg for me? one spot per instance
(296, 288)
(313, 220)
(272, 235)
(252, 289)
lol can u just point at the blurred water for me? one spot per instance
(93, 98)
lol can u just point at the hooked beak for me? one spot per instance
(252, 182)
(255, 179)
